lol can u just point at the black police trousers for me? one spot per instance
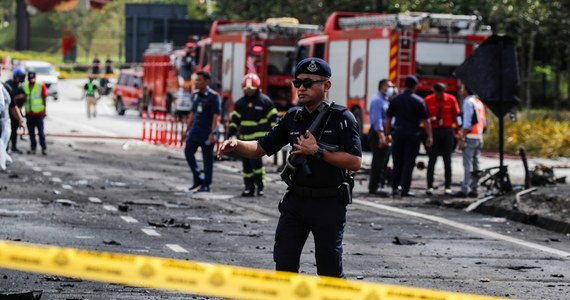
(325, 218)
(405, 149)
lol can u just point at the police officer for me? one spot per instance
(18, 95)
(254, 114)
(314, 202)
(409, 110)
(35, 106)
(202, 128)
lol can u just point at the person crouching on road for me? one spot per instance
(254, 114)
(35, 107)
(315, 201)
(89, 91)
(201, 132)
(443, 110)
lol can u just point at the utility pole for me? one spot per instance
(23, 29)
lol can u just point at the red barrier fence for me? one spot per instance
(162, 128)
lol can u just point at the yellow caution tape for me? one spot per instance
(202, 278)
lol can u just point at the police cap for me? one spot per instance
(31, 75)
(411, 81)
(313, 65)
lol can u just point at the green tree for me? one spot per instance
(82, 23)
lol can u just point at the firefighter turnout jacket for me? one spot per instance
(252, 117)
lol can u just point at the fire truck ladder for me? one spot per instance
(465, 24)
(389, 20)
(263, 29)
(405, 55)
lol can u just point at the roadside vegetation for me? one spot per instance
(543, 133)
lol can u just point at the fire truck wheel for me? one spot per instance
(120, 107)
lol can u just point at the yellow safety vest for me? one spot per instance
(34, 100)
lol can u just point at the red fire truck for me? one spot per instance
(165, 75)
(364, 48)
(235, 48)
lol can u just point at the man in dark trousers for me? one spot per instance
(202, 128)
(315, 201)
(254, 114)
(378, 141)
(410, 111)
(35, 106)
(443, 110)
(19, 97)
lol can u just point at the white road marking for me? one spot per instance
(94, 200)
(129, 219)
(150, 232)
(110, 208)
(465, 227)
(86, 127)
(48, 174)
(86, 237)
(176, 248)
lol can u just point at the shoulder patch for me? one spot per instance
(339, 108)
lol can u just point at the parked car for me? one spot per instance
(128, 93)
(44, 73)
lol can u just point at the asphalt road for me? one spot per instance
(121, 195)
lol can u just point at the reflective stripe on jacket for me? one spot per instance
(34, 100)
(253, 117)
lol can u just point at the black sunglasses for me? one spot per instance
(307, 83)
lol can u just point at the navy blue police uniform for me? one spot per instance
(408, 109)
(313, 203)
(204, 106)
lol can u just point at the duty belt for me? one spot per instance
(303, 191)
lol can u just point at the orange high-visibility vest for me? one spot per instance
(479, 109)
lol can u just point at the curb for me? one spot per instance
(535, 220)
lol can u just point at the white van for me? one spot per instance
(44, 73)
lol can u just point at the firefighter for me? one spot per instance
(89, 90)
(470, 140)
(409, 111)
(254, 114)
(314, 202)
(35, 107)
(443, 110)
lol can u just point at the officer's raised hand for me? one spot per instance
(305, 145)
(227, 146)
